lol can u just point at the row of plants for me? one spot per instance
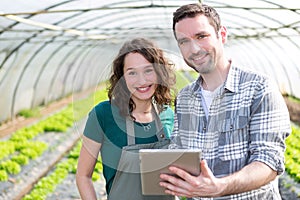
(22, 146)
(48, 184)
(20, 154)
(292, 154)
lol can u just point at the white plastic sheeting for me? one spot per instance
(51, 49)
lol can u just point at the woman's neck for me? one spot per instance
(143, 112)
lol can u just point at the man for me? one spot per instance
(237, 117)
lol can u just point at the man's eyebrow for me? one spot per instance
(182, 39)
(200, 33)
(195, 35)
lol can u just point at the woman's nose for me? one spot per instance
(141, 78)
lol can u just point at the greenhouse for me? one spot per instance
(56, 57)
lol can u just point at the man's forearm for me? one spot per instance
(251, 177)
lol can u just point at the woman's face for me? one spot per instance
(140, 77)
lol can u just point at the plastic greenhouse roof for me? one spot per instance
(52, 48)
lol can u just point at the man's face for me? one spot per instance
(200, 45)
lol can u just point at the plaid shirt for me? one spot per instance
(248, 121)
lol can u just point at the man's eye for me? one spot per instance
(201, 36)
(182, 42)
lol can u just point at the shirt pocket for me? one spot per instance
(233, 138)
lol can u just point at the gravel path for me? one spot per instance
(289, 189)
(67, 190)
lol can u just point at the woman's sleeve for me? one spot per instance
(93, 128)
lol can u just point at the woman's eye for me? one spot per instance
(131, 73)
(148, 71)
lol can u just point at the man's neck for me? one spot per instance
(213, 80)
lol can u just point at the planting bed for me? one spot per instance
(59, 144)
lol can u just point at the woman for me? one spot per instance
(136, 115)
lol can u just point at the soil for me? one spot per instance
(18, 122)
(294, 110)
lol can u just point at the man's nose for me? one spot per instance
(195, 46)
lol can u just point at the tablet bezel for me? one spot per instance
(153, 162)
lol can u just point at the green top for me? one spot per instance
(106, 126)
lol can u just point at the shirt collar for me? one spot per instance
(231, 82)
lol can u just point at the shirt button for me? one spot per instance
(204, 129)
(162, 136)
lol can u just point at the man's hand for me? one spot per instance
(250, 177)
(205, 185)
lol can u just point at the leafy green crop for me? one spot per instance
(6, 148)
(20, 159)
(194, 74)
(47, 184)
(10, 166)
(3, 175)
(30, 113)
(181, 80)
(292, 154)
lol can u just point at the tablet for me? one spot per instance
(153, 162)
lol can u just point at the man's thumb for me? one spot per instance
(204, 168)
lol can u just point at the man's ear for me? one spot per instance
(223, 34)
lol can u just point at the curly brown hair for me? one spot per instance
(192, 10)
(118, 92)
